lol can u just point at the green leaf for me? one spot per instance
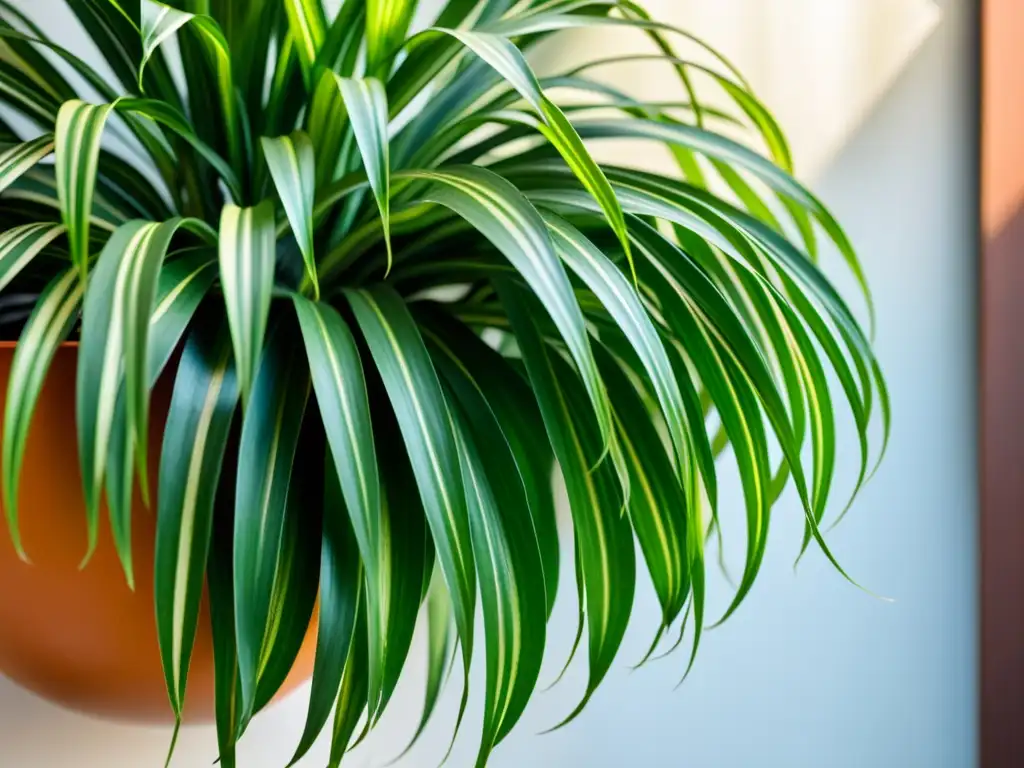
(293, 169)
(662, 516)
(19, 245)
(352, 695)
(166, 115)
(295, 587)
(500, 212)
(736, 155)
(439, 653)
(509, 62)
(408, 551)
(601, 275)
(367, 105)
(307, 23)
(219, 576)
(247, 253)
(114, 349)
(387, 22)
(77, 149)
(195, 437)
(519, 420)
(51, 321)
(270, 436)
(326, 113)
(507, 554)
(341, 596)
(160, 22)
(419, 404)
(344, 410)
(183, 283)
(604, 537)
(18, 159)
(737, 406)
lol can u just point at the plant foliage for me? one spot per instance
(394, 289)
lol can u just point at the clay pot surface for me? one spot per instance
(83, 638)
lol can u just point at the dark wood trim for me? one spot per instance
(1001, 392)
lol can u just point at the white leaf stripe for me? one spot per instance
(267, 449)
(489, 536)
(20, 245)
(101, 360)
(367, 105)
(345, 389)
(246, 255)
(168, 301)
(190, 500)
(293, 169)
(20, 94)
(442, 484)
(612, 289)
(670, 548)
(138, 299)
(534, 256)
(41, 189)
(509, 62)
(18, 159)
(78, 134)
(167, 21)
(307, 24)
(159, 22)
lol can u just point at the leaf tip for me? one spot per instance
(174, 740)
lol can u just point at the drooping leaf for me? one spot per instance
(49, 325)
(270, 436)
(159, 23)
(509, 568)
(183, 283)
(605, 542)
(493, 206)
(422, 412)
(341, 599)
(18, 246)
(195, 438)
(18, 159)
(219, 578)
(76, 150)
(510, 63)
(351, 701)
(293, 168)
(367, 106)
(519, 420)
(438, 612)
(294, 594)
(408, 557)
(114, 349)
(344, 410)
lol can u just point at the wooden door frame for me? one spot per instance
(1001, 383)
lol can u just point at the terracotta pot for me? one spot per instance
(82, 638)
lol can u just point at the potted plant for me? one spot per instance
(315, 304)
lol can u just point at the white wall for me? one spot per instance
(811, 672)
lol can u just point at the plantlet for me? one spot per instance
(394, 290)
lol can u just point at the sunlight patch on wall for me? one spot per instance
(819, 65)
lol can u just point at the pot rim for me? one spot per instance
(63, 345)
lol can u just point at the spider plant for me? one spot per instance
(394, 291)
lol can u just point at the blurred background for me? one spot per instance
(878, 98)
